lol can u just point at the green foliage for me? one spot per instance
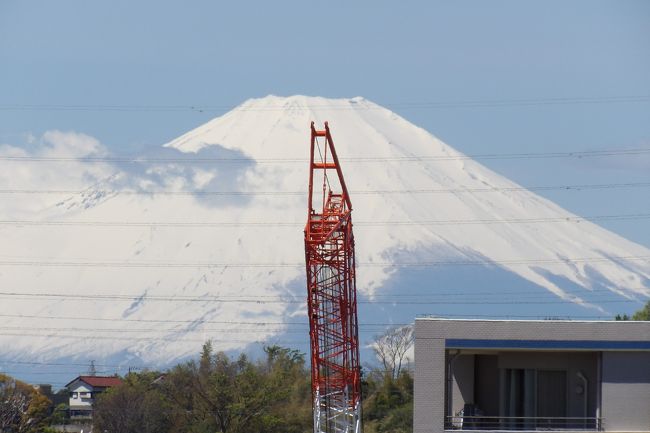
(241, 396)
(388, 403)
(642, 315)
(23, 409)
(215, 394)
(219, 394)
(59, 415)
(136, 406)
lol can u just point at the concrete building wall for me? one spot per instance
(429, 386)
(626, 391)
(463, 382)
(434, 336)
(585, 365)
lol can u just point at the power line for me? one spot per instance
(234, 322)
(75, 332)
(124, 264)
(55, 364)
(576, 187)
(475, 103)
(92, 337)
(233, 329)
(431, 299)
(367, 159)
(50, 373)
(256, 331)
(476, 298)
(283, 298)
(266, 224)
(391, 302)
(121, 319)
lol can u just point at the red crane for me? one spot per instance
(332, 294)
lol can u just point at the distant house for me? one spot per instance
(568, 376)
(84, 390)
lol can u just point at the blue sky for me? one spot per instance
(159, 54)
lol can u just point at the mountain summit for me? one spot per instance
(436, 196)
(202, 238)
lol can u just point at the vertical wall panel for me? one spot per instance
(626, 391)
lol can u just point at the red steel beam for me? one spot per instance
(332, 298)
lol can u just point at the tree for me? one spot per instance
(219, 394)
(388, 403)
(23, 409)
(642, 315)
(59, 414)
(388, 391)
(240, 396)
(188, 411)
(135, 406)
(286, 373)
(392, 347)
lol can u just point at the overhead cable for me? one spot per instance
(492, 189)
(423, 263)
(379, 223)
(191, 159)
(406, 105)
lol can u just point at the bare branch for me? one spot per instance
(391, 348)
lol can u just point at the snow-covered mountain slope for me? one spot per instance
(156, 254)
(455, 189)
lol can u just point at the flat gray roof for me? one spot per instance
(535, 334)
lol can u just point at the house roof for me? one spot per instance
(99, 381)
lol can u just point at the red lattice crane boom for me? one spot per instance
(332, 296)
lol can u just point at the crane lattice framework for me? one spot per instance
(332, 295)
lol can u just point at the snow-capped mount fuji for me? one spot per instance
(202, 238)
(443, 186)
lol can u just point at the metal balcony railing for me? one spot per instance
(481, 422)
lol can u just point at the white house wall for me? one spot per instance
(80, 403)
